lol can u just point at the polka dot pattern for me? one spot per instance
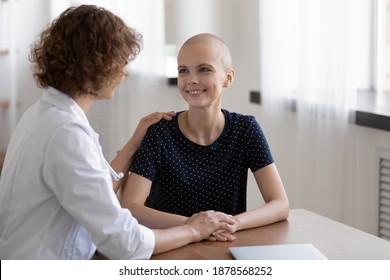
(189, 178)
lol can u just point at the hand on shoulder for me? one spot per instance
(148, 121)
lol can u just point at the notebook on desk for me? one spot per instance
(300, 251)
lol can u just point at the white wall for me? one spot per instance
(240, 29)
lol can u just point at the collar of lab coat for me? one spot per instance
(65, 103)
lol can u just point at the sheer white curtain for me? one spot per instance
(310, 50)
(116, 120)
(311, 58)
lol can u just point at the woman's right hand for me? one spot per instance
(146, 122)
(207, 223)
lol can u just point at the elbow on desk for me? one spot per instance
(279, 211)
(284, 211)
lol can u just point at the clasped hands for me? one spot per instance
(213, 226)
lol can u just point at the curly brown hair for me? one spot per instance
(85, 44)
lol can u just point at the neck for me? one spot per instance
(202, 126)
(85, 101)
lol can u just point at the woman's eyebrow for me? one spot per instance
(197, 66)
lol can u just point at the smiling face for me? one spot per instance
(204, 70)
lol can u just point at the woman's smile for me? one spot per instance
(195, 92)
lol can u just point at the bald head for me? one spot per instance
(216, 44)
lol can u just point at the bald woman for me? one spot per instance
(200, 160)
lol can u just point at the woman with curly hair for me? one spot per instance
(57, 191)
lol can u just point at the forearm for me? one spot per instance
(276, 207)
(153, 218)
(175, 237)
(123, 160)
(269, 213)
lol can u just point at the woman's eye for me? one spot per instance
(182, 71)
(204, 69)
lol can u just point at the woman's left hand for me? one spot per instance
(221, 236)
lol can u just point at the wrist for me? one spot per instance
(237, 223)
(193, 233)
(128, 151)
(132, 145)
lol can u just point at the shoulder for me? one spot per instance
(165, 125)
(69, 125)
(162, 126)
(164, 129)
(48, 121)
(243, 125)
(239, 119)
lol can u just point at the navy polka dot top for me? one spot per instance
(189, 178)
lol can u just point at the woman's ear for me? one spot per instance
(229, 78)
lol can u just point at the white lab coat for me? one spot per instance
(56, 197)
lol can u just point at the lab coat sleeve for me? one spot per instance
(75, 170)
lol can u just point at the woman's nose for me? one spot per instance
(192, 79)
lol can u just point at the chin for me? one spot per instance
(110, 96)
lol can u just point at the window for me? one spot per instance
(171, 63)
(387, 47)
(383, 46)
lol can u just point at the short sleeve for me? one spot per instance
(147, 159)
(257, 151)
